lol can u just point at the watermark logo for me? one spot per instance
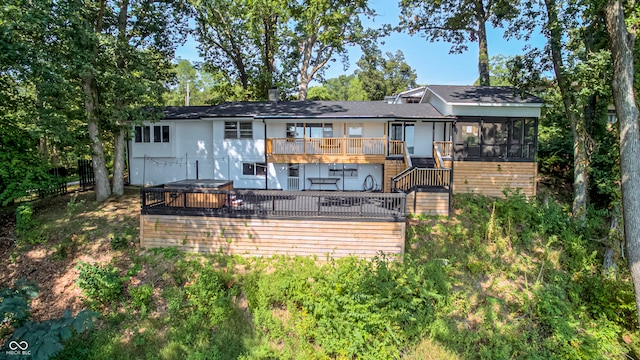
(18, 348)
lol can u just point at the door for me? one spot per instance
(401, 132)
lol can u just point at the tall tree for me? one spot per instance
(324, 29)
(555, 31)
(457, 22)
(385, 75)
(241, 39)
(622, 41)
(147, 33)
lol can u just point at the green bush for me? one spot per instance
(208, 293)
(101, 284)
(141, 297)
(350, 307)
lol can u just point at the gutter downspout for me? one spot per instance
(266, 164)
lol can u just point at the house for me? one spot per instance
(414, 150)
(489, 132)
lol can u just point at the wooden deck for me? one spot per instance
(265, 223)
(328, 150)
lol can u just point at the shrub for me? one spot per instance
(99, 283)
(208, 294)
(141, 297)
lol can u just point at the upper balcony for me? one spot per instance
(332, 150)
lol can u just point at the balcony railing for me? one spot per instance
(268, 203)
(334, 146)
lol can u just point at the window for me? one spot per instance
(254, 169)
(138, 134)
(346, 170)
(143, 134)
(294, 170)
(238, 130)
(161, 134)
(316, 130)
(355, 130)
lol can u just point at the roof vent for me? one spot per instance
(274, 94)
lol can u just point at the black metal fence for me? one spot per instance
(268, 203)
(85, 172)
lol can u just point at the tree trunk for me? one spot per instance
(90, 89)
(120, 103)
(622, 43)
(307, 53)
(483, 50)
(118, 161)
(580, 157)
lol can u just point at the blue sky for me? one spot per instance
(431, 61)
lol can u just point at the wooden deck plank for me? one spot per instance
(263, 237)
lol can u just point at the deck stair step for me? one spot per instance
(422, 162)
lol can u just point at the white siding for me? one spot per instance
(423, 139)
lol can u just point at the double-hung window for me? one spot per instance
(238, 130)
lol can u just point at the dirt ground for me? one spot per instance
(69, 235)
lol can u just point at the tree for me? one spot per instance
(188, 86)
(499, 70)
(622, 40)
(241, 39)
(324, 29)
(457, 22)
(338, 88)
(555, 30)
(382, 76)
(36, 101)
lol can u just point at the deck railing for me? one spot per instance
(326, 146)
(444, 147)
(422, 178)
(396, 148)
(269, 203)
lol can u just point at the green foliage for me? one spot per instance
(43, 339)
(350, 307)
(529, 258)
(384, 75)
(208, 293)
(141, 297)
(24, 219)
(170, 252)
(14, 302)
(124, 240)
(100, 284)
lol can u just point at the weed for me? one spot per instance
(73, 205)
(141, 297)
(100, 284)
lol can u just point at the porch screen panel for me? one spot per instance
(467, 141)
(494, 139)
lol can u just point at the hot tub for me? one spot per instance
(193, 193)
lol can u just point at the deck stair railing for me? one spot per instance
(413, 178)
(417, 177)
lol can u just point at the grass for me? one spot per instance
(498, 280)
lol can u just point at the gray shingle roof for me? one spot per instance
(483, 94)
(306, 109)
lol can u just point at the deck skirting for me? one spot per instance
(268, 236)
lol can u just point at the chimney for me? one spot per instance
(274, 94)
